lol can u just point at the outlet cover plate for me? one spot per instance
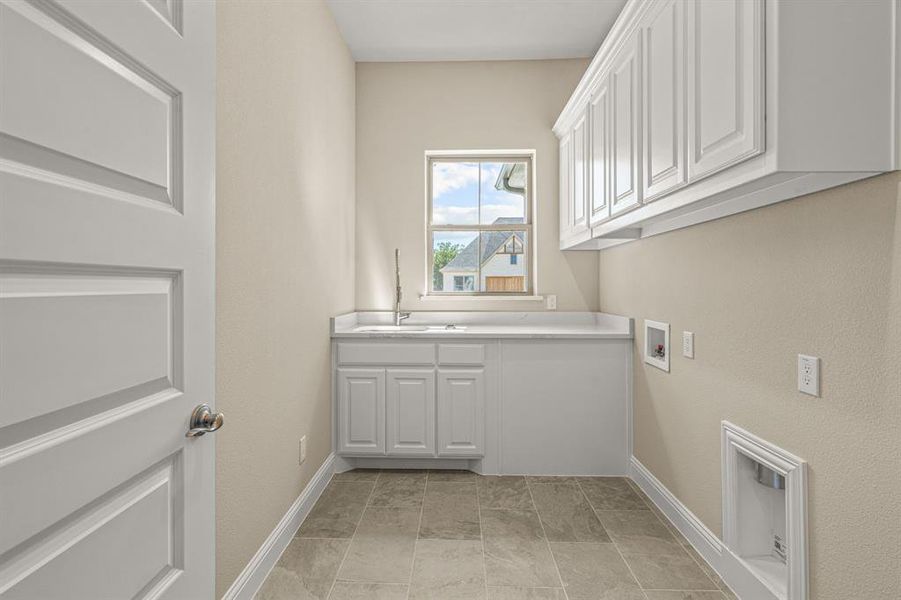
(809, 375)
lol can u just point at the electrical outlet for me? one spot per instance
(688, 344)
(303, 450)
(809, 375)
(550, 302)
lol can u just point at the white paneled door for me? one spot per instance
(106, 298)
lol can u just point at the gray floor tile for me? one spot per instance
(450, 511)
(639, 532)
(357, 475)
(508, 492)
(516, 551)
(594, 572)
(382, 548)
(337, 511)
(551, 479)
(403, 474)
(566, 514)
(514, 555)
(398, 492)
(611, 493)
(452, 475)
(522, 593)
(346, 590)
(305, 570)
(448, 570)
(683, 595)
(668, 572)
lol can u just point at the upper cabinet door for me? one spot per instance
(411, 411)
(663, 89)
(625, 82)
(579, 188)
(725, 83)
(361, 411)
(566, 170)
(599, 111)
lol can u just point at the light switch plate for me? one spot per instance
(809, 375)
(303, 450)
(550, 302)
(688, 344)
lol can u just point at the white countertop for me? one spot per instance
(491, 325)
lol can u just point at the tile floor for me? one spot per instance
(455, 535)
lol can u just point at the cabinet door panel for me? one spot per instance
(565, 175)
(625, 83)
(361, 411)
(461, 412)
(578, 197)
(725, 75)
(600, 153)
(411, 411)
(663, 165)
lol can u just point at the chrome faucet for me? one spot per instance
(398, 294)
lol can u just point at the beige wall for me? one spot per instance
(404, 109)
(285, 220)
(817, 275)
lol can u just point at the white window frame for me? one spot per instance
(529, 227)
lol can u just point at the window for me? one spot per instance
(480, 225)
(464, 283)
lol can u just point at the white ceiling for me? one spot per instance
(422, 30)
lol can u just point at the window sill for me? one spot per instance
(498, 298)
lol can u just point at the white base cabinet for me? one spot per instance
(411, 412)
(361, 401)
(705, 108)
(394, 405)
(461, 412)
(495, 406)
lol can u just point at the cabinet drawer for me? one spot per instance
(386, 354)
(461, 354)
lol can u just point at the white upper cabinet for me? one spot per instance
(578, 191)
(625, 83)
(700, 109)
(599, 117)
(725, 83)
(565, 175)
(663, 105)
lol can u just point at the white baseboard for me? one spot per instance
(254, 574)
(731, 569)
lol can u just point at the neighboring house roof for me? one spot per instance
(467, 259)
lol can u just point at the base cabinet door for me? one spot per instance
(411, 411)
(461, 412)
(361, 411)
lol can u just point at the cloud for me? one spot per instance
(450, 176)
